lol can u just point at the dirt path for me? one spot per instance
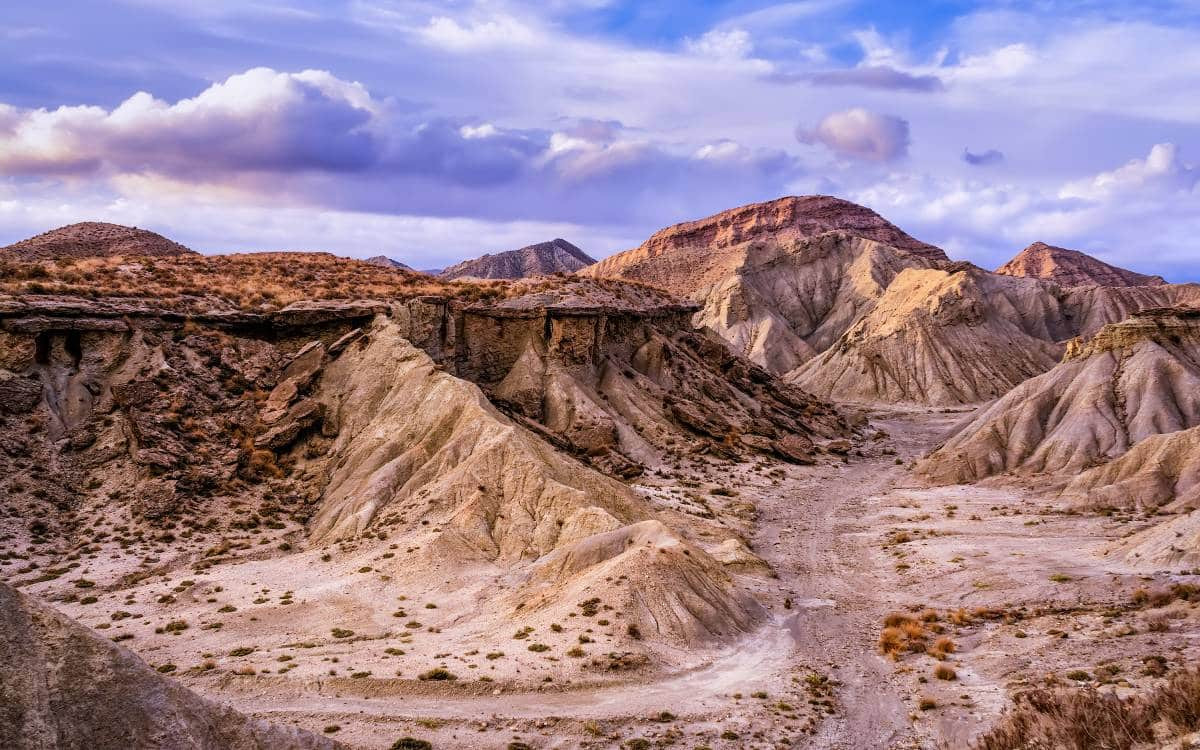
(816, 535)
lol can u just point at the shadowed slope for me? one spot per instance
(64, 687)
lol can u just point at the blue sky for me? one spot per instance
(432, 131)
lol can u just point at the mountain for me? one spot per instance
(472, 449)
(1071, 268)
(66, 687)
(780, 280)
(91, 239)
(1130, 381)
(386, 262)
(688, 257)
(834, 298)
(542, 259)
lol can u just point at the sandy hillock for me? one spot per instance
(64, 687)
(1071, 268)
(423, 456)
(1130, 381)
(542, 259)
(1162, 470)
(958, 334)
(93, 239)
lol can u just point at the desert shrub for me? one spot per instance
(1087, 718)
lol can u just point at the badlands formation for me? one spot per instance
(784, 477)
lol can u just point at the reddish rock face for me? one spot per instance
(1072, 268)
(685, 257)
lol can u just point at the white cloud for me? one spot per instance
(860, 134)
(722, 44)
(1162, 169)
(493, 33)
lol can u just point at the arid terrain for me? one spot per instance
(785, 477)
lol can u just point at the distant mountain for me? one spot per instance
(1072, 268)
(94, 239)
(541, 259)
(386, 262)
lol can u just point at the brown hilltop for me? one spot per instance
(94, 239)
(1072, 268)
(542, 259)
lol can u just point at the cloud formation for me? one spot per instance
(315, 138)
(1163, 170)
(1105, 213)
(860, 134)
(260, 120)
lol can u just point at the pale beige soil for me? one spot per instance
(829, 533)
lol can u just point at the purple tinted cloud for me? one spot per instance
(860, 134)
(872, 77)
(983, 159)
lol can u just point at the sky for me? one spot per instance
(434, 131)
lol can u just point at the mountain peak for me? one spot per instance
(89, 239)
(541, 259)
(1072, 268)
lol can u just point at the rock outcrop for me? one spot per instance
(1071, 268)
(542, 259)
(64, 687)
(93, 239)
(1130, 381)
